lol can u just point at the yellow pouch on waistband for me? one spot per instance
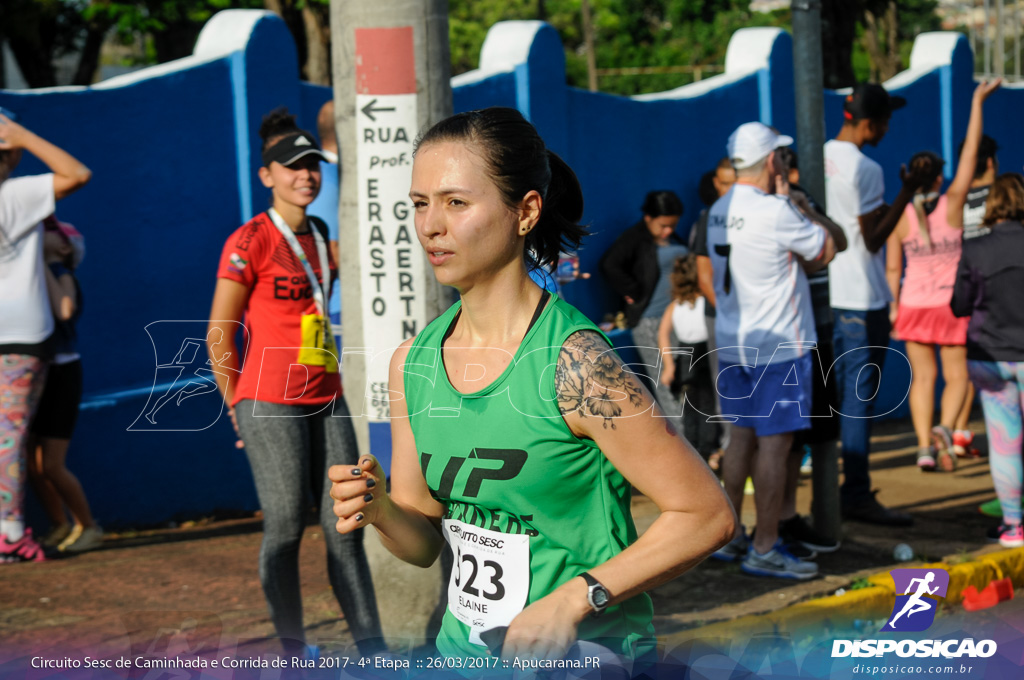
(318, 347)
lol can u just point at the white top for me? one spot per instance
(753, 240)
(25, 316)
(854, 186)
(688, 321)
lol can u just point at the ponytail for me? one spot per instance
(933, 162)
(922, 220)
(558, 228)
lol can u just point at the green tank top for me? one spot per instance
(529, 505)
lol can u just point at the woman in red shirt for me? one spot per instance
(276, 272)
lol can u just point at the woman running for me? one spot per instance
(276, 271)
(988, 284)
(516, 430)
(929, 236)
(26, 322)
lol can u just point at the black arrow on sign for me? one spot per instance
(369, 110)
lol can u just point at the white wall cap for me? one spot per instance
(228, 31)
(750, 48)
(933, 49)
(507, 45)
(693, 89)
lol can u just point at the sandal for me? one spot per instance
(942, 441)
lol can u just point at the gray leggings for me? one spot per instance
(289, 450)
(645, 337)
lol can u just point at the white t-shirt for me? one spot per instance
(25, 316)
(753, 240)
(688, 321)
(854, 186)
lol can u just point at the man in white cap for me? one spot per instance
(760, 244)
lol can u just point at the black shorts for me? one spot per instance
(58, 407)
(825, 423)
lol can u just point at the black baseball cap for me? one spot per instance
(870, 100)
(291, 148)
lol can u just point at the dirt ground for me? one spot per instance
(197, 584)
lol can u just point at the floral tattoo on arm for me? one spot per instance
(591, 380)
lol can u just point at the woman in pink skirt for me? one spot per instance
(928, 239)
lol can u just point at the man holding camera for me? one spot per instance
(761, 244)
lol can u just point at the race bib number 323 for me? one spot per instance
(490, 579)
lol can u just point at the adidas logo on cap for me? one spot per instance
(302, 141)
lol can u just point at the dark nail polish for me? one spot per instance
(368, 497)
(370, 483)
(357, 471)
(359, 517)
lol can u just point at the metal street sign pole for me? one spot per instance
(810, 135)
(810, 101)
(392, 79)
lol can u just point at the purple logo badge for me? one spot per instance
(917, 593)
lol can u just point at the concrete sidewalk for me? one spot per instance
(142, 588)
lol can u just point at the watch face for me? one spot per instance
(600, 597)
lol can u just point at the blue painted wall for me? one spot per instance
(175, 158)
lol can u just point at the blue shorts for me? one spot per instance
(770, 399)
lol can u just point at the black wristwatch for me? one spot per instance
(597, 595)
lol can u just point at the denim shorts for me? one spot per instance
(770, 399)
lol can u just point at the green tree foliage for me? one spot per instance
(627, 33)
(39, 31)
(680, 33)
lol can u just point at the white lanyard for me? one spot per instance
(319, 295)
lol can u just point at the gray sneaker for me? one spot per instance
(734, 550)
(82, 539)
(778, 562)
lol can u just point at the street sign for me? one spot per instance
(391, 260)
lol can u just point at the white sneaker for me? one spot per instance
(82, 539)
(778, 562)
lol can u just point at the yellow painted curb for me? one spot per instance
(872, 602)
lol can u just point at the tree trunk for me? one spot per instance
(295, 20)
(318, 46)
(175, 41)
(884, 56)
(89, 60)
(895, 61)
(588, 40)
(839, 29)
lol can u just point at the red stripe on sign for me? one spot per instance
(385, 61)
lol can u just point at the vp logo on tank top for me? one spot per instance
(184, 395)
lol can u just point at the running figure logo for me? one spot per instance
(183, 372)
(915, 609)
